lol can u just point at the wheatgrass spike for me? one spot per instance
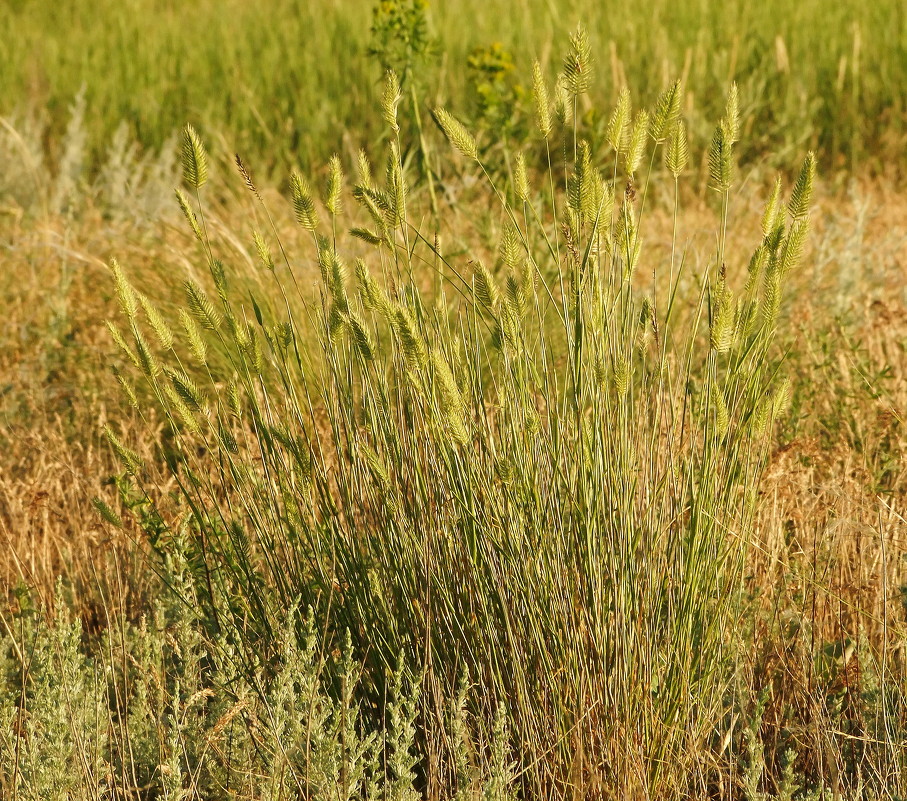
(195, 159)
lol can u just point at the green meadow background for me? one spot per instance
(285, 80)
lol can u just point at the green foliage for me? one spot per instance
(158, 709)
(820, 77)
(52, 709)
(400, 38)
(500, 97)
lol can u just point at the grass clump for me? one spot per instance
(541, 475)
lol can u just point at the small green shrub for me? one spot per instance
(159, 710)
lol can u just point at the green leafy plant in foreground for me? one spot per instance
(541, 473)
(158, 710)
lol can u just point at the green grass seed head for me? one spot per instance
(333, 273)
(390, 99)
(303, 202)
(219, 274)
(486, 286)
(451, 399)
(201, 307)
(375, 465)
(720, 160)
(234, 402)
(542, 102)
(803, 188)
(510, 248)
(604, 201)
(719, 408)
(107, 514)
(581, 187)
(724, 322)
(367, 235)
(457, 134)
(120, 341)
(731, 120)
(677, 153)
(646, 325)
(563, 102)
(517, 294)
(130, 460)
(666, 114)
(756, 266)
(507, 327)
(378, 205)
(253, 350)
(410, 339)
(263, 251)
(197, 346)
(618, 130)
(333, 193)
(794, 244)
(771, 218)
(126, 295)
(781, 399)
(189, 214)
(395, 213)
(186, 416)
(620, 375)
(364, 169)
(336, 323)
(195, 159)
(158, 324)
(283, 335)
(628, 241)
(373, 296)
(521, 179)
(226, 439)
(186, 388)
(362, 338)
(760, 415)
(771, 295)
(127, 387)
(578, 63)
(147, 362)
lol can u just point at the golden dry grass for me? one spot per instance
(57, 390)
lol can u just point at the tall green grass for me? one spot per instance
(283, 80)
(535, 470)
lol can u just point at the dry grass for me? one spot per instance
(57, 391)
(826, 562)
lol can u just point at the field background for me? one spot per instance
(281, 81)
(92, 103)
